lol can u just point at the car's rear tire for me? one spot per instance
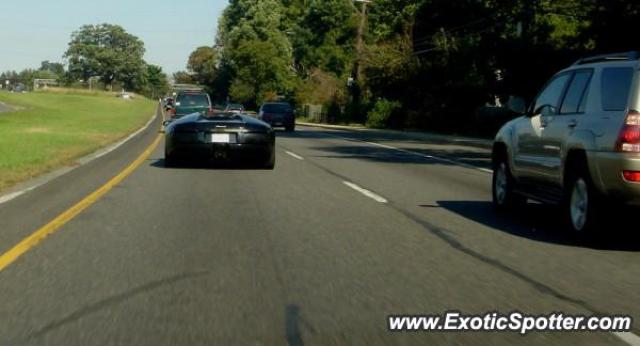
(582, 203)
(169, 160)
(503, 187)
(290, 128)
(270, 163)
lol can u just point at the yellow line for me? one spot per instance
(31, 241)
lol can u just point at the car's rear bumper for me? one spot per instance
(609, 175)
(220, 152)
(280, 122)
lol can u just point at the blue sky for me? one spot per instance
(35, 30)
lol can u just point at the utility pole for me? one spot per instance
(359, 73)
(360, 40)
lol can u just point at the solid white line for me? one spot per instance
(431, 157)
(7, 198)
(82, 161)
(628, 337)
(117, 145)
(366, 192)
(294, 155)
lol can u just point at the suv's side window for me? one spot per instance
(548, 100)
(616, 82)
(576, 93)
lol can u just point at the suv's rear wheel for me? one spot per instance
(504, 197)
(581, 204)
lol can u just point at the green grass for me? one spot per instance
(52, 129)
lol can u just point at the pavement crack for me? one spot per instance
(113, 300)
(443, 234)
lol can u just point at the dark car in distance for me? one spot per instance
(278, 114)
(220, 137)
(234, 108)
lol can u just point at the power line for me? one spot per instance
(440, 48)
(452, 30)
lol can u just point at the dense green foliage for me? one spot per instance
(203, 65)
(441, 59)
(382, 110)
(157, 84)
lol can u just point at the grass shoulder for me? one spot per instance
(51, 129)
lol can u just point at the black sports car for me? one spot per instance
(220, 137)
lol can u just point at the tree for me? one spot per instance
(27, 76)
(611, 21)
(203, 65)
(157, 82)
(109, 52)
(53, 67)
(257, 55)
(183, 77)
(324, 37)
(259, 69)
(423, 53)
(11, 76)
(392, 19)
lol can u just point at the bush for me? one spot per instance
(381, 112)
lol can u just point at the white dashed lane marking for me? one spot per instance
(366, 192)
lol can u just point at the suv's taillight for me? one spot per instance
(629, 140)
(631, 176)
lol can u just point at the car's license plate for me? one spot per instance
(220, 138)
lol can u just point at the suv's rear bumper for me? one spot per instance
(609, 167)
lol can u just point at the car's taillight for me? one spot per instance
(631, 176)
(629, 139)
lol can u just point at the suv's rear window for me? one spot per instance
(276, 108)
(616, 82)
(193, 100)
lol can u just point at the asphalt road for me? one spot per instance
(298, 255)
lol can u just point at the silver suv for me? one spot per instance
(577, 145)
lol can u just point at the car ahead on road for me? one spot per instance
(189, 102)
(234, 108)
(168, 103)
(578, 144)
(278, 114)
(220, 137)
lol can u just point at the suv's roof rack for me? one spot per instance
(633, 55)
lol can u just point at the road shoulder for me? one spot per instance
(43, 198)
(31, 184)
